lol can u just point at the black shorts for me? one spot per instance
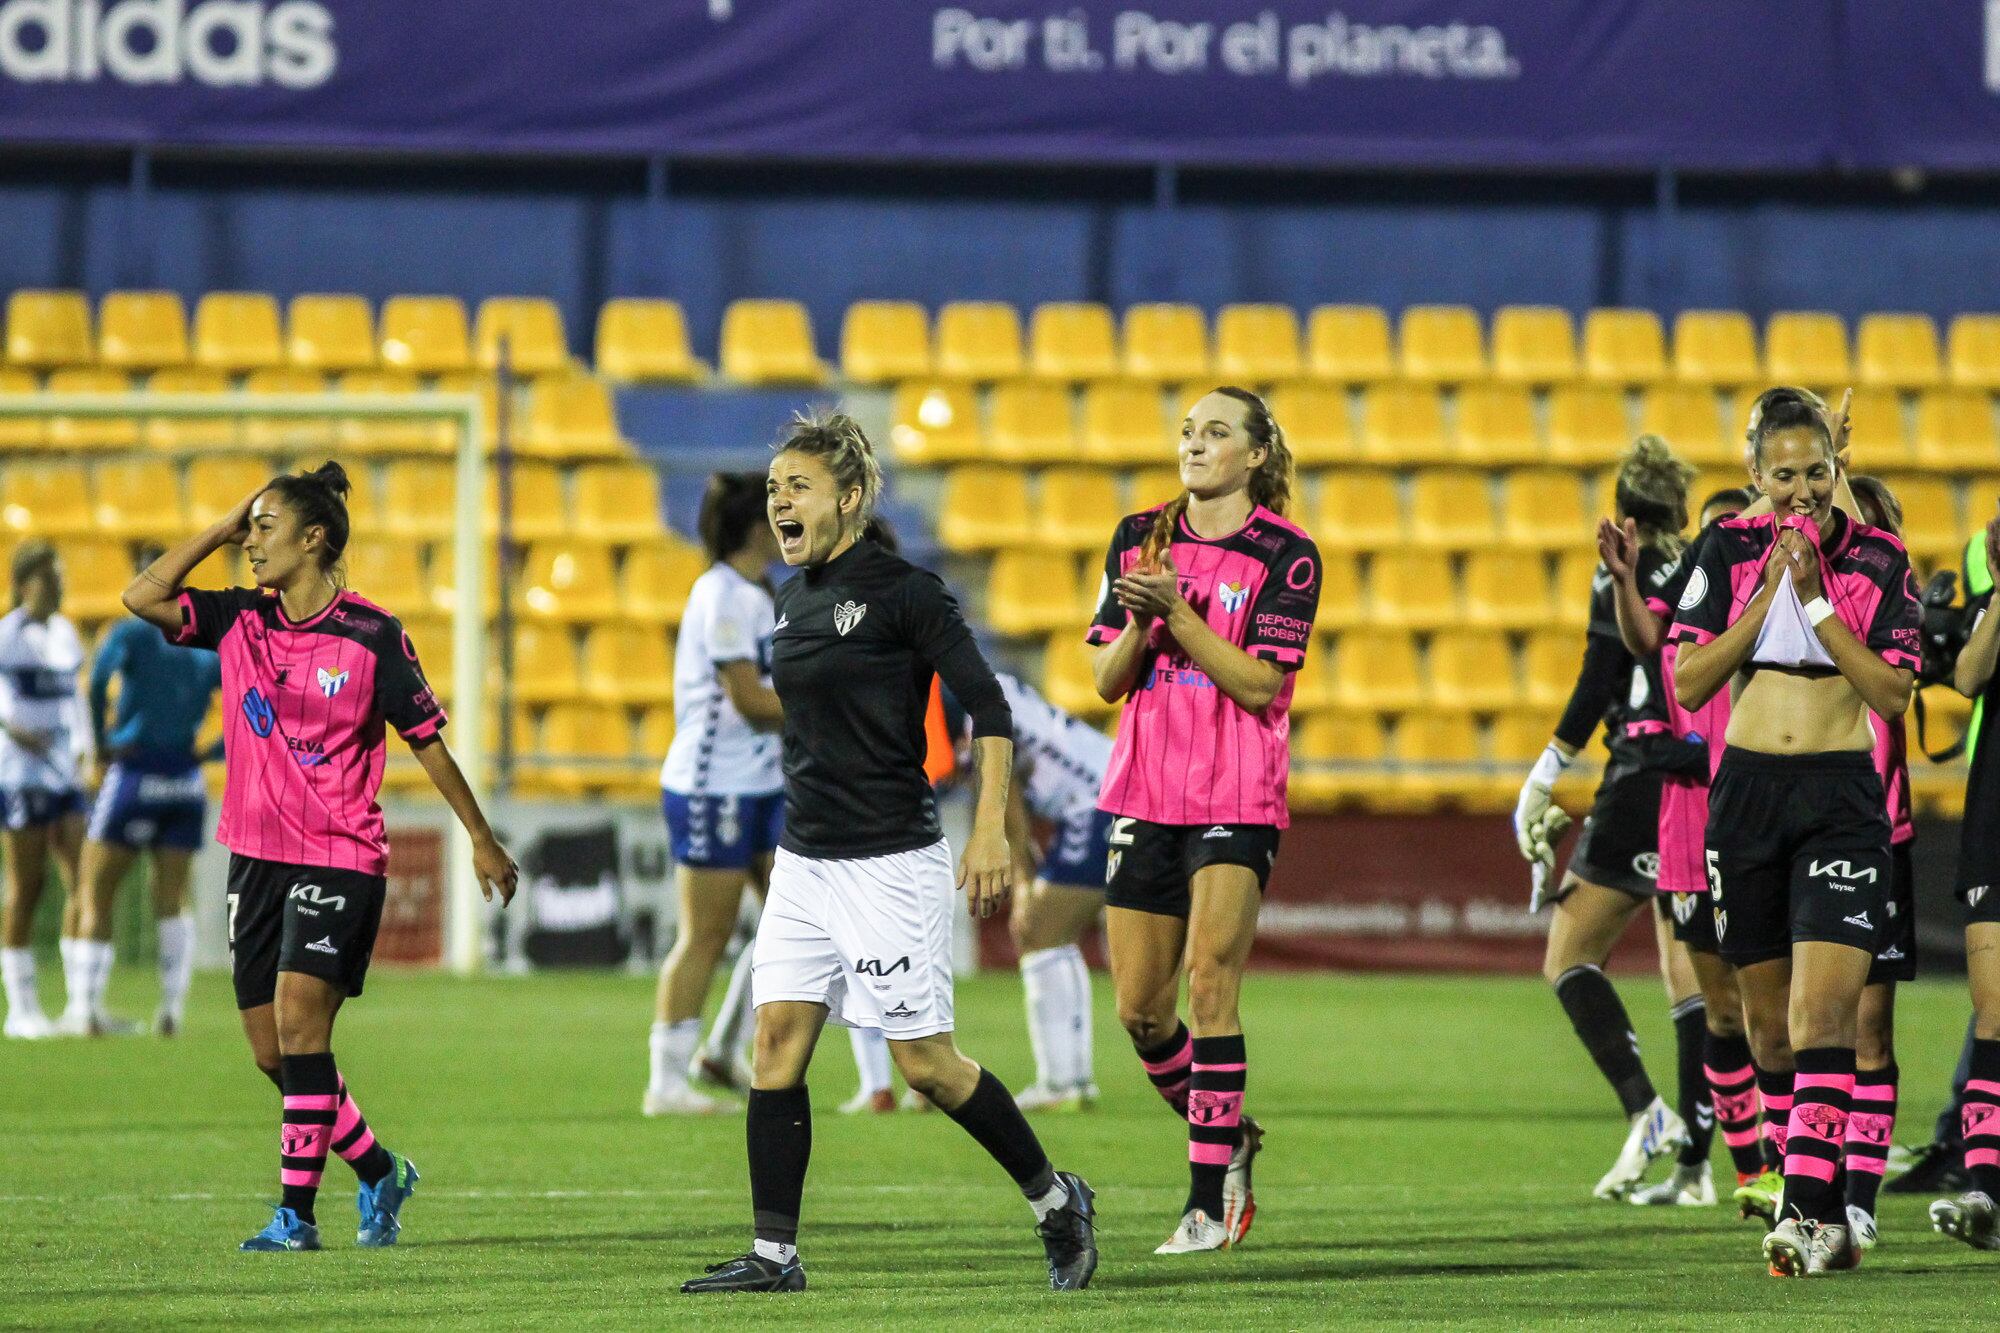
(1150, 865)
(1978, 884)
(1798, 850)
(1896, 958)
(286, 918)
(1693, 917)
(1620, 843)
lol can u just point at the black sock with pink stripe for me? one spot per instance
(355, 1142)
(312, 1094)
(1980, 1117)
(1870, 1125)
(1215, 1117)
(1169, 1065)
(1822, 1099)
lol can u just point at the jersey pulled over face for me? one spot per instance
(1186, 753)
(304, 707)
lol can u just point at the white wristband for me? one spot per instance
(1818, 609)
(1549, 767)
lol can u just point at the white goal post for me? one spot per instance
(464, 912)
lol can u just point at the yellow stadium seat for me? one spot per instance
(1472, 669)
(1587, 426)
(1033, 422)
(936, 422)
(1343, 752)
(1439, 759)
(882, 342)
(656, 736)
(538, 509)
(1875, 425)
(142, 330)
(584, 748)
(1931, 529)
(1806, 347)
(1078, 509)
(544, 663)
(286, 433)
(167, 432)
(425, 335)
(531, 327)
(1166, 343)
(1125, 421)
(46, 499)
(1452, 508)
(570, 417)
(1031, 593)
(1533, 344)
(445, 584)
(985, 507)
(222, 569)
(1067, 681)
(1072, 340)
(979, 340)
(628, 664)
(654, 582)
(1897, 351)
(1349, 344)
(1154, 486)
(1256, 344)
(1377, 671)
(1403, 424)
(771, 343)
(643, 340)
(1519, 738)
(1496, 426)
(1442, 344)
(1359, 510)
(1312, 682)
(21, 432)
(1716, 347)
(618, 503)
(238, 331)
(419, 498)
(1622, 346)
(95, 574)
(390, 435)
(1689, 418)
(1575, 571)
(1955, 432)
(47, 329)
(1551, 660)
(1543, 510)
(1412, 590)
(569, 580)
(388, 572)
(217, 485)
(1972, 351)
(331, 332)
(1506, 590)
(1342, 602)
(1710, 480)
(91, 432)
(1318, 427)
(139, 497)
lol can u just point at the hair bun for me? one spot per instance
(333, 476)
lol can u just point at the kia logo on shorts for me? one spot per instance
(875, 967)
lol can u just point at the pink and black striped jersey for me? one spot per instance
(305, 710)
(1186, 753)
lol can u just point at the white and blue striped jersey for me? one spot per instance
(715, 751)
(40, 663)
(1065, 758)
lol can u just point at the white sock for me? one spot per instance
(673, 1046)
(1050, 1202)
(17, 971)
(99, 956)
(776, 1253)
(871, 1058)
(1081, 1052)
(176, 963)
(734, 1030)
(76, 976)
(1048, 983)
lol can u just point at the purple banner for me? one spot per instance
(1476, 83)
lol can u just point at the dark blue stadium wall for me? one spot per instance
(584, 234)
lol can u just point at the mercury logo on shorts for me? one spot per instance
(1858, 919)
(900, 1011)
(847, 615)
(323, 945)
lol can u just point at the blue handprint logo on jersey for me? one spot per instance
(258, 712)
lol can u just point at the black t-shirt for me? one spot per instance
(856, 644)
(1979, 831)
(1633, 691)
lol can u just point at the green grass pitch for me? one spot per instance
(1431, 1146)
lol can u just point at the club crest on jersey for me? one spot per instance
(331, 682)
(1233, 596)
(848, 614)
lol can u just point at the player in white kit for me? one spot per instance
(44, 743)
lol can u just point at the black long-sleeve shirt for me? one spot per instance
(857, 642)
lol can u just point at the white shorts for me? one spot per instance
(869, 938)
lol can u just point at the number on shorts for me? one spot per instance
(232, 920)
(1714, 876)
(1121, 834)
